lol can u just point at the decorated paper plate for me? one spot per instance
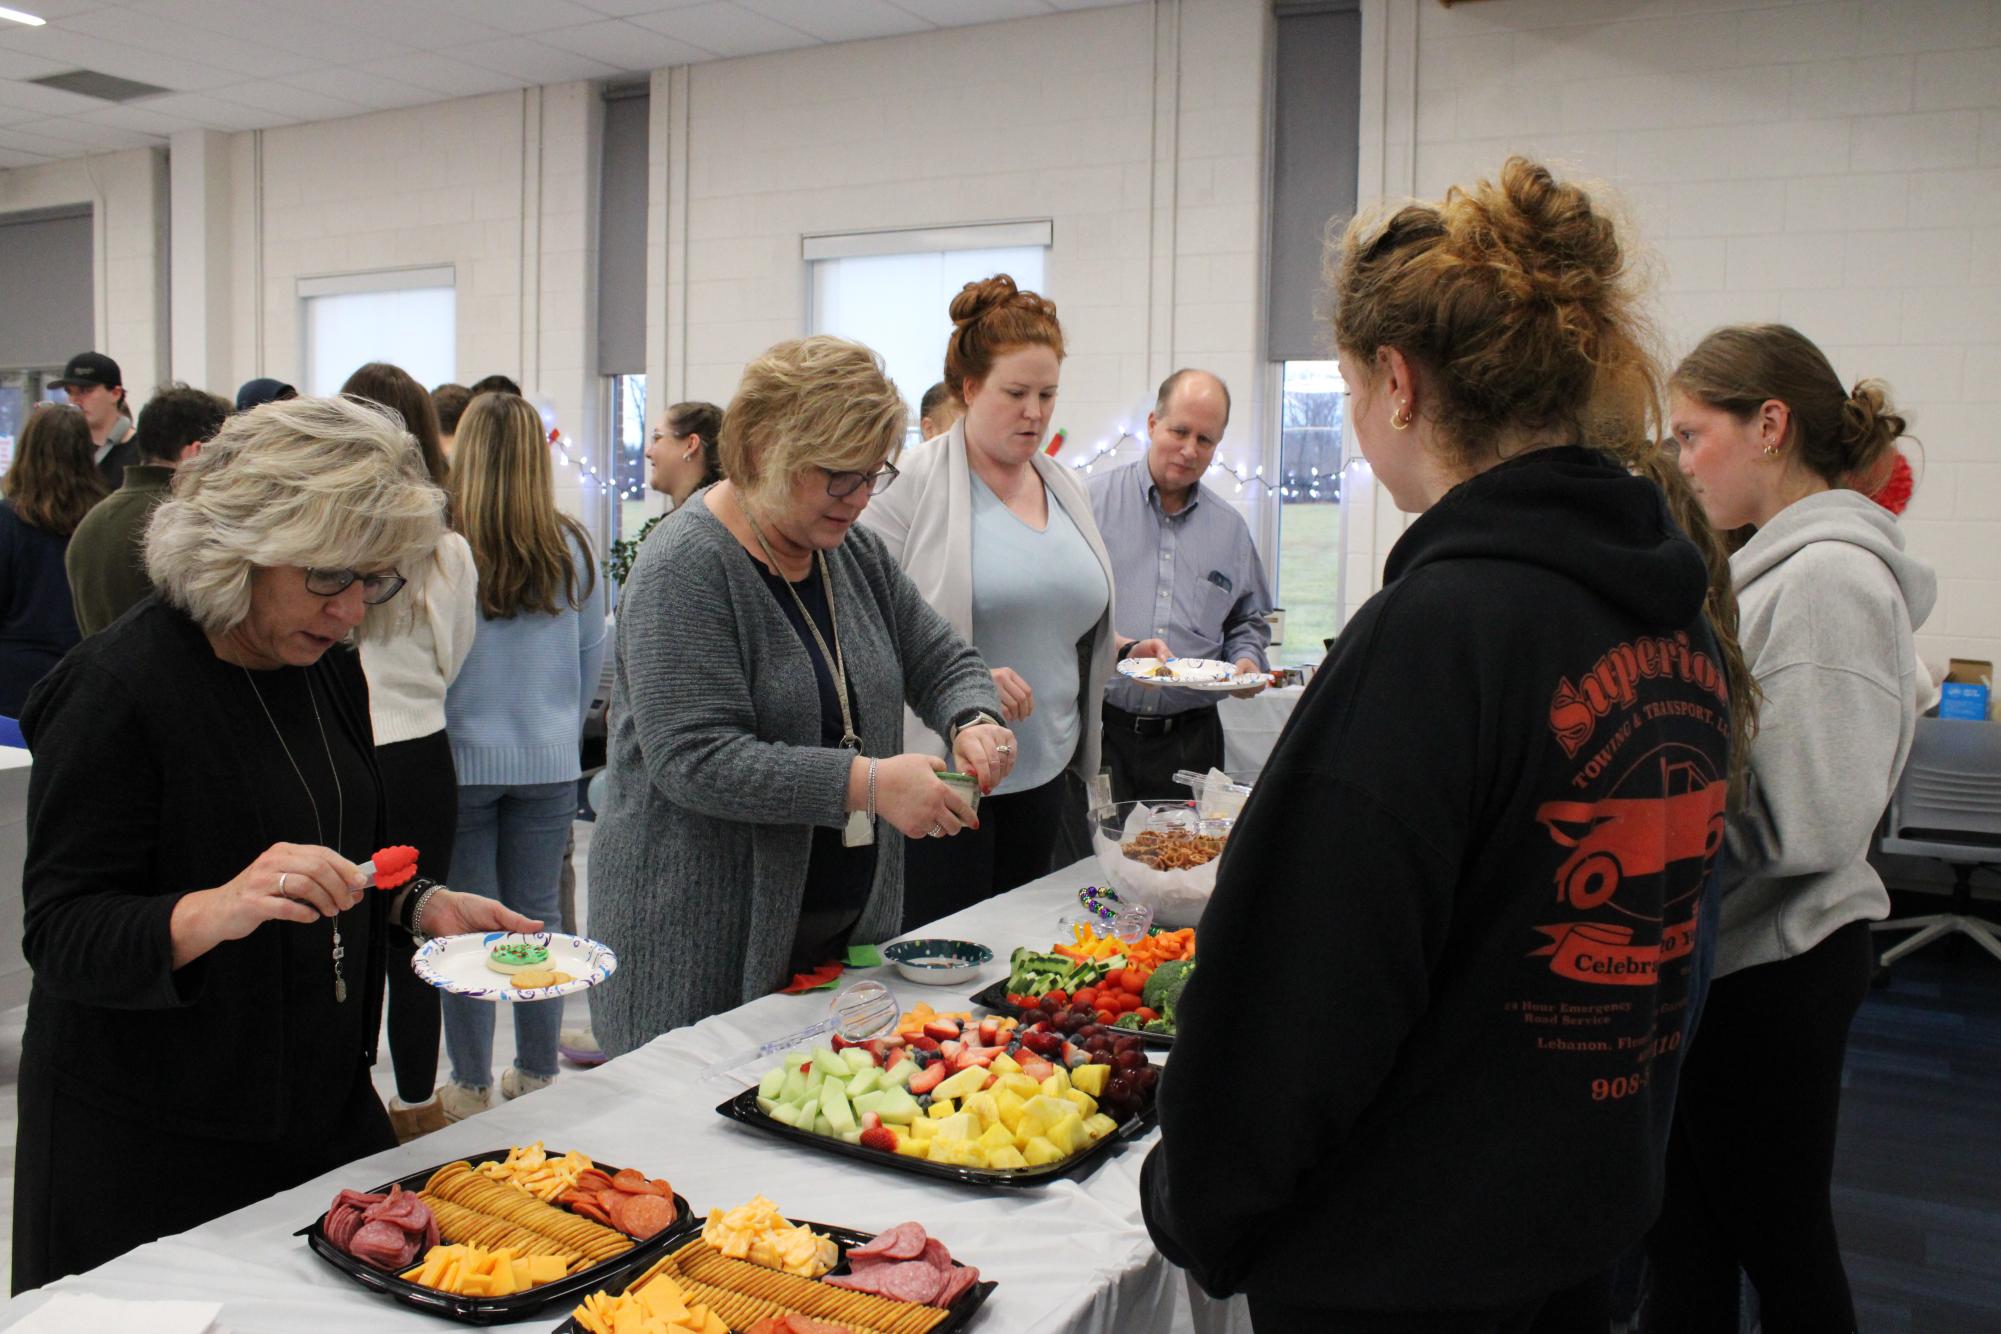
(1189, 674)
(539, 965)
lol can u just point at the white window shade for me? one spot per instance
(407, 318)
(899, 304)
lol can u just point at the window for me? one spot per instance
(1310, 523)
(631, 505)
(407, 317)
(893, 290)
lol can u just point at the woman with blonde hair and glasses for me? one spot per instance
(759, 790)
(50, 486)
(515, 714)
(208, 959)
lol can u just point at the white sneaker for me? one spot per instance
(580, 1046)
(458, 1102)
(514, 1081)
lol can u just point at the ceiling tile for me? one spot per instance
(422, 25)
(44, 101)
(12, 158)
(963, 13)
(370, 90)
(78, 50)
(448, 78)
(289, 103)
(57, 9)
(1087, 4)
(726, 29)
(210, 112)
(29, 138)
(520, 16)
(28, 65)
(529, 59)
(275, 23)
(147, 116)
(178, 41)
(89, 133)
(625, 46)
(627, 8)
(852, 20)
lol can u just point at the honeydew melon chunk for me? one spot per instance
(829, 1062)
(794, 1087)
(766, 1104)
(898, 1075)
(1091, 1079)
(820, 1125)
(796, 1058)
(869, 1102)
(786, 1113)
(773, 1083)
(852, 1136)
(898, 1107)
(834, 1106)
(863, 1082)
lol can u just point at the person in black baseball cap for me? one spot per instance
(256, 393)
(95, 384)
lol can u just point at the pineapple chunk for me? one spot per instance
(941, 1108)
(1039, 1152)
(1007, 1108)
(1085, 1104)
(1008, 1159)
(1023, 1087)
(1005, 1064)
(968, 1081)
(1041, 1113)
(914, 1146)
(983, 1106)
(924, 1128)
(1068, 1134)
(1058, 1083)
(996, 1137)
(1091, 1079)
(961, 1126)
(1098, 1126)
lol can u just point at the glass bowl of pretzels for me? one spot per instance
(1162, 854)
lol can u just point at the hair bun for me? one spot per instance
(1869, 431)
(1549, 239)
(977, 298)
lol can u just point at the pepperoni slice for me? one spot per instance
(642, 1216)
(632, 1181)
(595, 1212)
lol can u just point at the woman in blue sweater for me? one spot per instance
(515, 714)
(48, 489)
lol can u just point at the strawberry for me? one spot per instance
(942, 1029)
(930, 1077)
(989, 1031)
(870, 1120)
(879, 1137)
(842, 1044)
(950, 1050)
(1035, 1068)
(924, 1043)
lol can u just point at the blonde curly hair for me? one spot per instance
(809, 402)
(328, 482)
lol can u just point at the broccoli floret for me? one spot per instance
(1160, 1026)
(1163, 989)
(1130, 1019)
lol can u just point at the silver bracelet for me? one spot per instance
(417, 931)
(871, 789)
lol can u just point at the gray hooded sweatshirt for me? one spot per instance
(1827, 603)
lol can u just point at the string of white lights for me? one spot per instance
(1314, 486)
(588, 470)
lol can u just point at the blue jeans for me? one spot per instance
(509, 847)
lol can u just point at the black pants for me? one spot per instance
(1583, 1309)
(420, 785)
(1011, 847)
(79, 1198)
(1143, 758)
(1751, 1153)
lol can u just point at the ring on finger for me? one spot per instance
(937, 831)
(282, 877)
(1005, 748)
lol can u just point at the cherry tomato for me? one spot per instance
(1087, 997)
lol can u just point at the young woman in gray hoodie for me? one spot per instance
(1828, 603)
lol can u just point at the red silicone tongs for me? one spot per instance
(392, 866)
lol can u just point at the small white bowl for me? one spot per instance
(938, 963)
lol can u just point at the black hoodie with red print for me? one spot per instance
(1427, 1057)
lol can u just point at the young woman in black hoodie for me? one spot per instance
(1490, 828)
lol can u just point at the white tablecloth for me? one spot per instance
(1070, 1256)
(1251, 727)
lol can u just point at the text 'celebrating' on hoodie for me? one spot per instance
(1428, 1057)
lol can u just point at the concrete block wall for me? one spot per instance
(1835, 164)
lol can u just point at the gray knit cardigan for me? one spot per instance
(716, 772)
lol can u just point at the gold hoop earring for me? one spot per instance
(1400, 419)
(1771, 450)
(688, 456)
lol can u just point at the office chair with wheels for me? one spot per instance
(1948, 807)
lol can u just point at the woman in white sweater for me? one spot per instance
(415, 655)
(1828, 602)
(999, 539)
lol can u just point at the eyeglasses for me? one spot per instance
(843, 484)
(376, 589)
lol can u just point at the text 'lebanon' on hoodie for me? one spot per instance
(1827, 602)
(1427, 1059)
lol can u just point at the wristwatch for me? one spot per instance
(970, 718)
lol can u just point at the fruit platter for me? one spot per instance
(751, 1269)
(987, 1101)
(499, 1236)
(1098, 986)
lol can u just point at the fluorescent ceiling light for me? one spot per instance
(21, 16)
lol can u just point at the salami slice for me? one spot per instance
(957, 1282)
(906, 1281)
(905, 1241)
(935, 1254)
(379, 1244)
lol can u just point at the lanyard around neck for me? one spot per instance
(833, 658)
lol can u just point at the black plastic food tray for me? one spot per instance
(994, 997)
(744, 1111)
(969, 1301)
(493, 1310)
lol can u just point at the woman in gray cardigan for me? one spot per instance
(765, 652)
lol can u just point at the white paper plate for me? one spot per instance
(458, 964)
(1205, 674)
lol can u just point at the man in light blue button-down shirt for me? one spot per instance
(1187, 572)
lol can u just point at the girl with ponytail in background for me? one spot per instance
(1829, 602)
(1496, 814)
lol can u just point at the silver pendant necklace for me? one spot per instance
(340, 804)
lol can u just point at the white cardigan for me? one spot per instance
(926, 521)
(420, 650)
